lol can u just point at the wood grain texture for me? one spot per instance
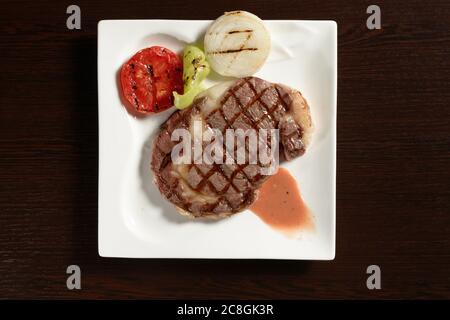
(392, 174)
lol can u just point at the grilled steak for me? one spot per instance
(223, 189)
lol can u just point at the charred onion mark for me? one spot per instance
(233, 50)
(244, 43)
(232, 13)
(240, 31)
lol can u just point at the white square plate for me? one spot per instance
(135, 221)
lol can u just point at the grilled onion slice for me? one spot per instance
(237, 44)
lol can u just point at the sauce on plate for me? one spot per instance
(280, 205)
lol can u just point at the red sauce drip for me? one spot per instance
(280, 204)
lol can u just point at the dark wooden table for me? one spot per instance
(393, 158)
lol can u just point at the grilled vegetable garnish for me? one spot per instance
(195, 70)
(237, 44)
(149, 78)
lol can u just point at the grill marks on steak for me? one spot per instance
(224, 189)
